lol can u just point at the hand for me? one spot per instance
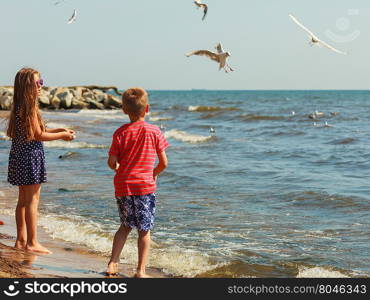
(117, 167)
(69, 130)
(72, 132)
(67, 136)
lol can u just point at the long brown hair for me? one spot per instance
(25, 103)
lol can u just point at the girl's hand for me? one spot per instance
(67, 136)
(69, 130)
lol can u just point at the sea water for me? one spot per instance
(254, 186)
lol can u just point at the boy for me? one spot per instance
(132, 156)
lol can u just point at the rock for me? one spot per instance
(44, 101)
(76, 92)
(78, 104)
(94, 104)
(65, 99)
(6, 101)
(112, 101)
(6, 98)
(97, 92)
(89, 95)
(55, 103)
(76, 97)
(101, 97)
(52, 92)
(47, 89)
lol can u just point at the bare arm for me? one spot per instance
(113, 162)
(49, 136)
(162, 164)
(56, 130)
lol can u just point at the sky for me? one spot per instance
(143, 43)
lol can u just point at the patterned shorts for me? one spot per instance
(137, 211)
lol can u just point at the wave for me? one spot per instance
(99, 112)
(56, 125)
(252, 117)
(187, 137)
(73, 145)
(322, 199)
(343, 141)
(156, 119)
(103, 114)
(211, 108)
(172, 259)
(319, 272)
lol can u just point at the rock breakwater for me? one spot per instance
(74, 97)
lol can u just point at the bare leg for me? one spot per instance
(143, 245)
(20, 219)
(32, 198)
(118, 242)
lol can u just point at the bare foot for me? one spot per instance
(20, 245)
(112, 269)
(38, 248)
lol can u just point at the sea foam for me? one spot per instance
(200, 108)
(72, 145)
(187, 137)
(319, 272)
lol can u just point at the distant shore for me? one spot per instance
(73, 97)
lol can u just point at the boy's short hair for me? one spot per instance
(134, 101)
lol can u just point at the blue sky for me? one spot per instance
(142, 43)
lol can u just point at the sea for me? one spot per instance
(259, 183)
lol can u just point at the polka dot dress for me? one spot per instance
(26, 159)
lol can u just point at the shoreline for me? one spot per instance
(68, 260)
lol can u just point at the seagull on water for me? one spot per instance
(327, 125)
(314, 40)
(221, 57)
(73, 17)
(203, 6)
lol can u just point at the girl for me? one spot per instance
(26, 159)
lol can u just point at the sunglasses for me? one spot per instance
(40, 82)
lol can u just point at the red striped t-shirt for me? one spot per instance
(136, 146)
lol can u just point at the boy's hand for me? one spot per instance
(113, 162)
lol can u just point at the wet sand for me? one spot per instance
(66, 261)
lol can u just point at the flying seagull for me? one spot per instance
(203, 6)
(73, 18)
(314, 40)
(220, 57)
(58, 2)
